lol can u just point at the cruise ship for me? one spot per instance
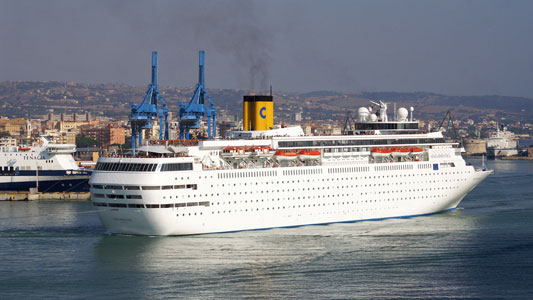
(270, 177)
(502, 143)
(48, 167)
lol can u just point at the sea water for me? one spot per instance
(483, 250)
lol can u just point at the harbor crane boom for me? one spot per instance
(191, 114)
(143, 115)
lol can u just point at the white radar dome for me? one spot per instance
(362, 110)
(402, 114)
(363, 113)
(373, 117)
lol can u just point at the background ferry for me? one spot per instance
(50, 167)
(502, 143)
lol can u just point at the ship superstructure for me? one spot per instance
(502, 143)
(49, 167)
(279, 177)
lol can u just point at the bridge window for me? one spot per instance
(176, 167)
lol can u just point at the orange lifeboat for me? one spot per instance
(285, 155)
(415, 151)
(400, 152)
(308, 155)
(380, 152)
(24, 149)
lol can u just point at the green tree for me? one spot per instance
(4, 133)
(85, 141)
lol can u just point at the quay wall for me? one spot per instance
(27, 196)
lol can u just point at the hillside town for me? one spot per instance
(95, 117)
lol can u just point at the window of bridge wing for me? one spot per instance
(132, 187)
(176, 167)
(151, 188)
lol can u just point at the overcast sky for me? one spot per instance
(451, 47)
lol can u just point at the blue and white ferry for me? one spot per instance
(49, 168)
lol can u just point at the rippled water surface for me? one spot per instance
(484, 250)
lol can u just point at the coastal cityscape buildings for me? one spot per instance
(96, 116)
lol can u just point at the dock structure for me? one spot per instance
(29, 196)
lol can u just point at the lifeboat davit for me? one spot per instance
(235, 152)
(263, 152)
(380, 152)
(240, 152)
(308, 155)
(400, 152)
(282, 155)
(228, 152)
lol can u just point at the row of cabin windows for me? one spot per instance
(302, 172)
(145, 187)
(350, 169)
(393, 167)
(169, 205)
(424, 166)
(344, 142)
(245, 174)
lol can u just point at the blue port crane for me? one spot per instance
(143, 115)
(191, 114)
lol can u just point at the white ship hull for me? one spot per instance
(493, 152)
(239, 200)
(50, 167)
(502, 143)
